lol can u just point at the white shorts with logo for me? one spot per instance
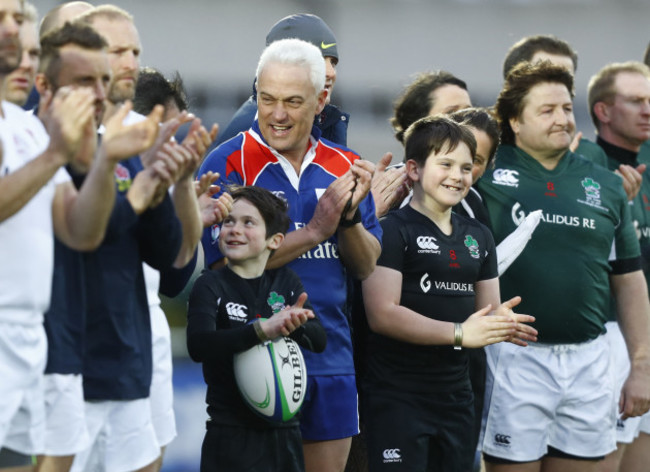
(23, 353)
(66, 433)
(550, 395)
(161, 393)
(122, 438)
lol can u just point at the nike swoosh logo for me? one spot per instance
(326, 46)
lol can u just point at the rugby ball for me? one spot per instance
(272, 378)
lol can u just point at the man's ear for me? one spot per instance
(514, 124)
(601, 110)
(275, 241)
(41, 83)
(322, 100)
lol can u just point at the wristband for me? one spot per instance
(261, 335)
(458, 336)
(356, 218)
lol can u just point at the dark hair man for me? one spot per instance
(562, 283)
(541, 48)
(429, 94)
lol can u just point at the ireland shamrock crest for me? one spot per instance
(472, 245)
(592, 188)
(275, 301)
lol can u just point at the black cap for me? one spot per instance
(307, 27)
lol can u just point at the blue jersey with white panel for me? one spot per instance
(247, 159)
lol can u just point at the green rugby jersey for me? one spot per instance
(640, 206)
(644, 153)
(563, 273)
(592, 152)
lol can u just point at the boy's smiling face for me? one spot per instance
(243, 238)
(445, 177)
(243, 233)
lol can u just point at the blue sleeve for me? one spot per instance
(159, 235)
(173, 281)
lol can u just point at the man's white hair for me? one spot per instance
(296, 52)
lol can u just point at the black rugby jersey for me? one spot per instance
(221, 307)
(439, 273)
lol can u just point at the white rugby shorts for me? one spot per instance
(550, 395)
(66, 433)
(23, 352)
(122, 438)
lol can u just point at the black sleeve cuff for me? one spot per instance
(623, 266)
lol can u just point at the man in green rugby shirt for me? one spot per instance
(552, 405)
(546, 47)
(619, 103)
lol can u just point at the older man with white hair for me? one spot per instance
(334, 230)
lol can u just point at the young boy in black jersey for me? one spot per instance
(221, 307)
(435, 270)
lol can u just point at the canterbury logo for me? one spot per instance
(506, 177)
(392, 454)
(427, 242)
(326, 46)
(236, 311)
(502, 439)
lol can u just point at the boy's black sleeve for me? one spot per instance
(204, 341)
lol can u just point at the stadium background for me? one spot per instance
(215, 44)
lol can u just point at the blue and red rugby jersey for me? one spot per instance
(246, 159)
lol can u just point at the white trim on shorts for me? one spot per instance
(23, 352)
(122, 437)
(550, 395)
(66, 433)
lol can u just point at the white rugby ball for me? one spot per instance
(272, 378)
